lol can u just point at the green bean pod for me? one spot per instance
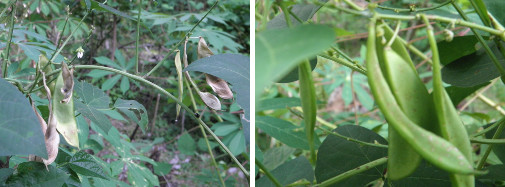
(412, 97)
(433, 148)
(63, 106)
(308, 97)
(451, 126)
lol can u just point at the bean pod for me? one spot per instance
(412, 97)
(63, 106)
(433, 148)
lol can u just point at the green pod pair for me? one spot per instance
(412, 97)
(431, 147)
(451, 126)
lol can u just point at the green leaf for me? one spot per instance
(276, 156)
(289, 172)
(162, 168)
(93, 100)
(202, 145)
(233, 68)
(4, 174)
(126, 107)
(107, 61)
(88, 4)
(279, 51)
(186, 144)
(283, 131)
(457, 48)
(224, 130)
(84, 164)
(302, 11)
(495, 172)
(498, 149)
(237, 144)
(101, 7)
(20, 131)
(36, 174)
(293, 75)
(141, 176)
(458, 94)
(109, 83)
(278, 103)
(472, 70)
(97, 73)
(345, 155)
(120, 58)
(259, 157)
(425, 175)
(83, 129)
(125, 84)
(495, 7)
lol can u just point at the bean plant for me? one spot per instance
(55, 122)
(419, 131)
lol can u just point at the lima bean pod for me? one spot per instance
(413, 99)
(451, 126)
(63, 106)
(308, 95)
(433, 148)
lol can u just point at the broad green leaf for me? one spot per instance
(202, 145)
(108, 62)
(345, 155)
(495, 7)
(495, 172)
(276, 156)
(425, 175)
(458, 94)
(457, 48)
(4, 174)
(109, 83)
(224, 130)
(126, 107)
(302, 11)
(93, 101)
(233, 68)
(237, 144)
(20, 131)
(186, 144)
(279, 51)
(84, 164)
(125, 84)
(101, 7)
(259, 157)
(88, 4)
(293, 75)
(472, 70)
(289, 172)
(162, 168)
(284, 131)
(141, 176)
(278, 103)
(498, 149)
(120, 58)
(36, 174)
(97, 73)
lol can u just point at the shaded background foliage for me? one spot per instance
(169, 147)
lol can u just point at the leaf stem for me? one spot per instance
(344, 62)
(267, 173)
(354, 140)
(138, 38)
(497, 134)
(398, 10)
(353, 172)
(180, 42)
(11, 29)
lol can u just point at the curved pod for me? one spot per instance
(63, 108)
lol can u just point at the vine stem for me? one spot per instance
(353, 172)
(345, 63)
(398, 10)
(497, 134)
(482, 42)
(267, 173)
(191, 113)
(180, 42)
(138, 38)
(11, 29)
